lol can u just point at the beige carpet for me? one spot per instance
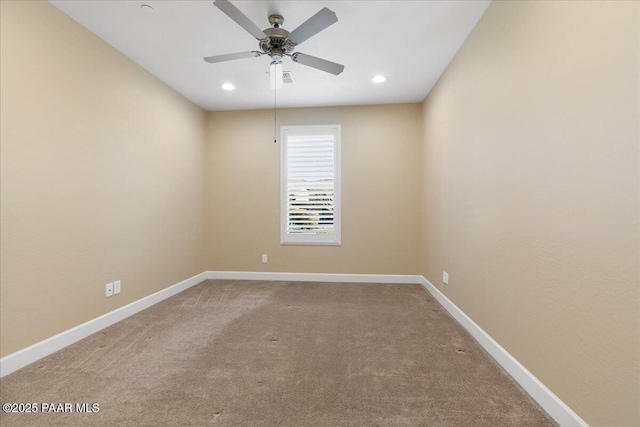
(252, 353)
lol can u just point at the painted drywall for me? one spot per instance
(102, 177)
(530, 153)
(380, 191)
(531, 195)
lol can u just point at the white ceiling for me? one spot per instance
(410, 42)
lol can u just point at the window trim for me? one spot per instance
(311, 239)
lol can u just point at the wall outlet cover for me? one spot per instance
(108, 289)
(116, 287)
(445, 277)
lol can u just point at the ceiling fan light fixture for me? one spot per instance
(227, 86)
(275, 75)
(379, 79)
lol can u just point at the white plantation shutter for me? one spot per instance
(310, 185)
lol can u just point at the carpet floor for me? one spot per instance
(256, 353)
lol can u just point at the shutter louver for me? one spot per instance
(310, 184)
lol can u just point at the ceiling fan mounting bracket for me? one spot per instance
(276, 20)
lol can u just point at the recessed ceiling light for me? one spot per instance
(228, 86)
(146, 8)
(378, 79)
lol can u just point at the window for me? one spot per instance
(310, 193)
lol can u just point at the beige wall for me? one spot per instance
(528, 146)
(102, 177)
(532, 194)
(380, 190)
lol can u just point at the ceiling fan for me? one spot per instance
(278, 42)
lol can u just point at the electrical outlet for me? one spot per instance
(264, 258)
(108, 289)
(116, 287)
(445, 277)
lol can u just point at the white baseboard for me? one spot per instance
(26, 356)
(555, 407)
(315, 277)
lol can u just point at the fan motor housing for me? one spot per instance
(276, 42)
(276, 34)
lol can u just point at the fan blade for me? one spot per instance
(231, 56)
(240, 18)
(313, 26)
(319, 63)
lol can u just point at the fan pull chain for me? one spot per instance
(275, 103)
